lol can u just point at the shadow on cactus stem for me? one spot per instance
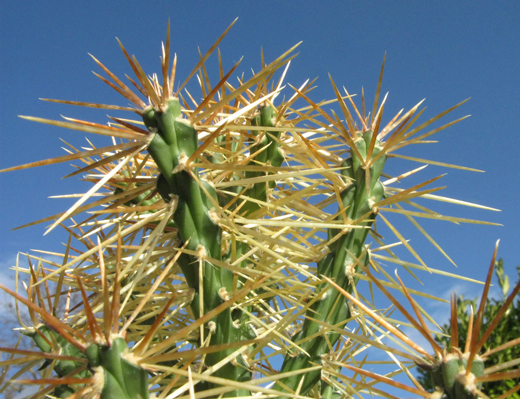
(457, 373)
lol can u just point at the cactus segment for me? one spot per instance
(41, 338)
(477, 369)
(450, 368)
(270, 155)
(160, 152)
(347, 198)
(174, 141)
(93, 356)
(122, 379)
(356, 161)
(449, 376)
(339, 264)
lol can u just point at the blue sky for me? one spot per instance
(442, 51)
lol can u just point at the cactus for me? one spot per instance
(456, 373)
(99, 363)
(45, 337)
(174, 142)
(344, 261)
(217, 251)
(122, 378)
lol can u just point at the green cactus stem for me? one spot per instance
(339, 264)
(122, 378)
(268, 152)
(271, 156)
(44, 338)
(449, 376)
(174, 142)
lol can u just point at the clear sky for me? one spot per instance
(442, 51)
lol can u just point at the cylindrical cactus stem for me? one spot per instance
(449, 376)
(44, 337)
(340, 264)
(175, 141)
(270, 156)
(117, 375)
(267, 141)
(122, 379)
(329, 391)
